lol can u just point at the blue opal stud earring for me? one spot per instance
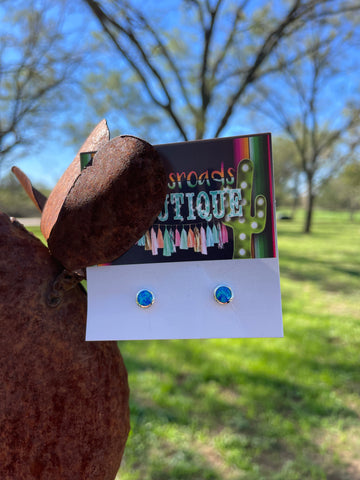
(145, 298)
(223, 294)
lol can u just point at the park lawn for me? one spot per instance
(37, 231)
(272, 409)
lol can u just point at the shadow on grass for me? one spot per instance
(210, 406)
(265, 419)
(329, 275)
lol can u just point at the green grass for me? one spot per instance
(36, 231)
(274, 409)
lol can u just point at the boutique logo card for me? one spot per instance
(208, 267)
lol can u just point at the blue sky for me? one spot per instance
(46, 163)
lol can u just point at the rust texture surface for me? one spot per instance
(98, 137)
(63, 401)
(36, 197)
(110, 205)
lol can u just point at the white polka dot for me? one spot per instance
(254, 225)
(260, 201)
(243, 202)
(243, 185)
(245, 167)
(242, 251)
(242, 220)
(242, 236)
(260, 214)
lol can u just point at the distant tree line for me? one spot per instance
(190, 69)
(14, 201)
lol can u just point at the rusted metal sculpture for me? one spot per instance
(63, 401)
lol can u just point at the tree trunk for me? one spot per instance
(295, 203)
(310, 205)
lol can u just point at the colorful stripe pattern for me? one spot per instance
(257, 149)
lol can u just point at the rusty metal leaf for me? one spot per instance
(35, 196)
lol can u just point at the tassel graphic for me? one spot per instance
(177, 238)
(197, 246)
(209, 237)
(191, 238)
(221, 243)
(224, 232)
(172, 240)
(154, 243)
(141, 241)
(183, 240)
(147, 241)
(215, 234)
(160, 239)
(203, 241)
(199, 237)
(167, 244)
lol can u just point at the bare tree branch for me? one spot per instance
(190, 87)
(229, 40)
(167, 55)
(305, 124)
(295, 13)
(34, 64)
(205, 88)
(107, 22)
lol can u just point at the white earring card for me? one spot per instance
(217, 229)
